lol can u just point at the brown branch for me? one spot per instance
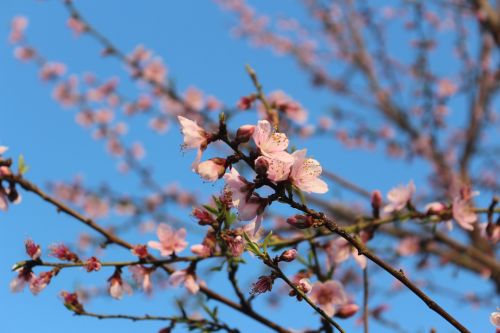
(61, 207)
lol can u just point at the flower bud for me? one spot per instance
(347, 311)
(203, 217)
(71, 302)
(246, 102)
(300, 221)
(263, 284)
(212, 169)
(244, 133)
(376, 200)
(261, 166)
(288, 255)
(32, 249)
(140, 251)
(92, 264)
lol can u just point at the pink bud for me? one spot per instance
(32, 249)
(347, 311)
(376, 199)
(300, 221)
(203, 217)
(140, 251)
(261, 166)
(246, 102)
(92, 264)
(212, 169)
(288, 255)
(244, 133)
(71, 302)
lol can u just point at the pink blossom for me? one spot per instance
(339, 250)
(62, 252)
(71, 301)
(490, 232)
(347, 310)
(66, 92)
(92, 264)
(171, 241)
(185, 277)
(139, 54)
(246, 102)
(435, 208)
(212, 169)
(495, 319)
(271, 144)
(160, 125)
(194, 98)
(287, 105)
(32, 249)
(3, 149)
(155, 71)
(252, 208)
(277, 170)
(399, 197)
(195, 137)
(142, 276)
(330, 296)
(77, 26)
(234, 242)
(52, 70)
(38, 283)
(464, 214)
(201, 250)
(25, 275)
(203, 216)
(244, 133)
(117, 286)
(305, 173)
(288, 255)
(140, 250)
(300, 221)
(237, 185)
(446, 88)
(263, 284)
(409, 246)
(17, 26)
(24, 53)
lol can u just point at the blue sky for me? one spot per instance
(193, 38)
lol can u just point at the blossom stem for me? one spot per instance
(316, 308)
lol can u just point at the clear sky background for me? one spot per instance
(194, 39)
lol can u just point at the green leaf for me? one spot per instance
(266, 241)
(210, 209)
(22, 167)
(18, 265)
(251, 246)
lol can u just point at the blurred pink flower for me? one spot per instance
(171, 241)
(17, 27)
(185, 277)
(142, 276)
(329, 296)
(399, 197)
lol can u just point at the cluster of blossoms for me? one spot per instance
(461, 210)
(271, 161)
